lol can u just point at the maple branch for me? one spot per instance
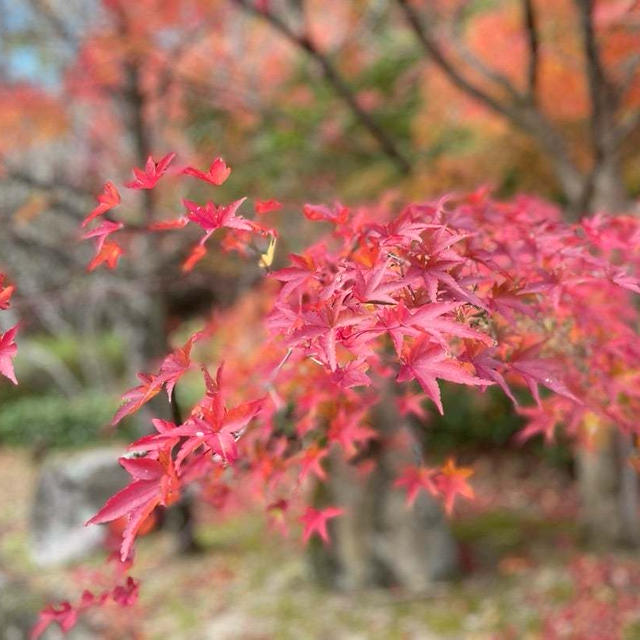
(531, 28)
(602, 97)
(627, 126)
(473, 61)
(66, 206)
(628, 69)
(522, 114)
(4, 39)
(602, 101)
(44, 10)
(335, 79)
(31, 181)
(33, 242)
(176, 411)
(135, 100)
(433, 50)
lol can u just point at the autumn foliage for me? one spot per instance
(8, 346)
(466, 290)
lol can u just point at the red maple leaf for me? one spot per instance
(155, 482)
(175, 365)
(211, 217)
(413, 479)
(545, 371)
(195, 255)
(108, 199)
(102, 232)
(168, 225)
(138, 396)
(348, 430)
(452, 481)
(266, 206)
(487, 366)
(5, 294)
(127, 594)
(109, 253)
(429, 318)
(433, 266)
(375, 286)
(324, 325)
(163, 439)
(213, 426)
(217, 173)
(310, 460)
(65, 615)
(148, 177)
(339, 214)
(8, 350)
(411, 403)
(295, 277)
(426, 361)
(315, 521)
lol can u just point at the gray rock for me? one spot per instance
(17, 609)
(70, 489)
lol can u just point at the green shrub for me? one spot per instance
(56, 421)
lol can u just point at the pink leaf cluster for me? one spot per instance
(384, 308)
(65, 615)
(8, 348)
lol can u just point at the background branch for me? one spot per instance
(533, 42)
(335, 79)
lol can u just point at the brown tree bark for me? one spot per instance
(608, 488)
(379, 541)
(607, 484)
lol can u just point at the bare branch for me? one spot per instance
(492, 75)
(533, 42)
(434, 51)
(626, 127)
(600, 91)
(523, 115)
(31, 181)
(61, 196)
(335, 79)
(602, 97)
(44, 10)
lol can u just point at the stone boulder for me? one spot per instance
(70, 488)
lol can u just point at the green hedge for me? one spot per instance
(55, 421)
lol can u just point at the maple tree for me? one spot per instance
(468, 290)
(464, 289)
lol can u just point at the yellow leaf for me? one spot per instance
(266, 259)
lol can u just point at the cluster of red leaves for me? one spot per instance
(8, 348)
(208, 216)
(66, 614)
(445, 483)
(473, 292)
(172, 368)
(467, 290)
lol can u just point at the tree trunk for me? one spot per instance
(607, 484)
(379, 541)
(608, 488)
(609, 192)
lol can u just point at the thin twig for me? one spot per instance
(533, 42)
(335, 79)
